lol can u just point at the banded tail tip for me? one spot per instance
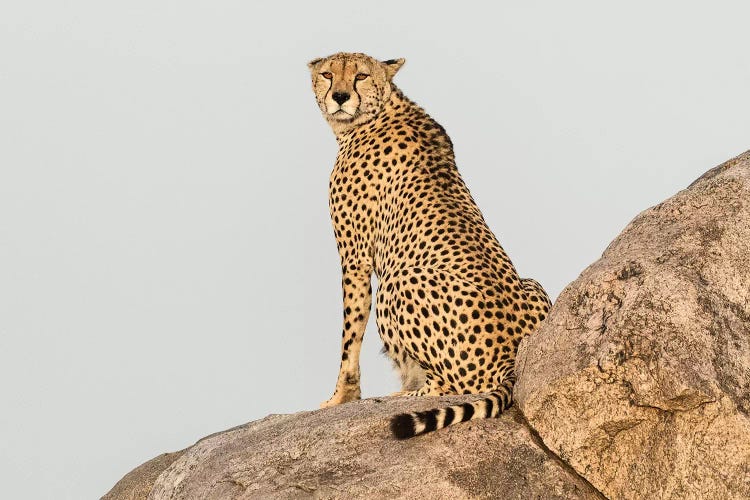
(402, 426)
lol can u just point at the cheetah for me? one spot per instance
(450, 307)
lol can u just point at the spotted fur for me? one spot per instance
(450, 307)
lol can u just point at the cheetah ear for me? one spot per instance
(312, 63)
(393, 65)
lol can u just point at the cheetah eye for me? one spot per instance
(327, 75)
(361, 76)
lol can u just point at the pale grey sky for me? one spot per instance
(167, 266)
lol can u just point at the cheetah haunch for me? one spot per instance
(451, 308)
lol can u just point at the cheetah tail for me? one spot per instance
(408, 425)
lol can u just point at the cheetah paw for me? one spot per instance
(340, 398)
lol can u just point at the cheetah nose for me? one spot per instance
(340, 97)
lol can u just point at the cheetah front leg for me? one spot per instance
(357, 300)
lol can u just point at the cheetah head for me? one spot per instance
(351, 89)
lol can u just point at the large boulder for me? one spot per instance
(640, 377)
(347, 452)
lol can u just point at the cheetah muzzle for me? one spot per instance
(450, 307)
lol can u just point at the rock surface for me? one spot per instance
(137, 483)
(640, 377)
(347, 452)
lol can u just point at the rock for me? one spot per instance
(137, 484)
(347, 452)
(639, 381)
(640, 377)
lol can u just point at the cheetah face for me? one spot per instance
(351, 89)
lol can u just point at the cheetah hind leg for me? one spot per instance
(413, 377)
(427, 389)
(407, 425)
(537, 296)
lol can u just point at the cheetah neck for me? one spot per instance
(407, 137)
(396, 105)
